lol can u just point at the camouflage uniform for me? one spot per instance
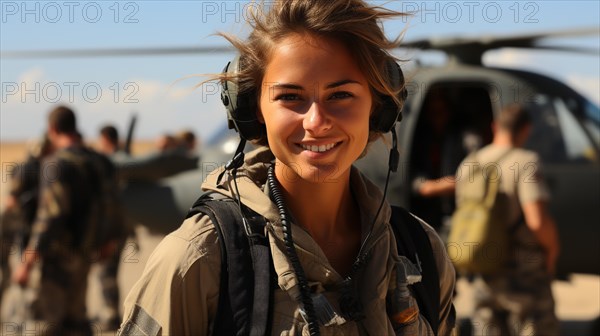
(16, 221)
(63, 236)
(518, 301)
(9, 226)
(109, 316)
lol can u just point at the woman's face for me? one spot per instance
(315, 103)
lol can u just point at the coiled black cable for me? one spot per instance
(305, 295)
(349, 303)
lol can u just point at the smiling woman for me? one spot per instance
(313, 84)
(316, 103)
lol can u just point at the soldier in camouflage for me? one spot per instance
(109, 317)
(21, 206)
(55, 265)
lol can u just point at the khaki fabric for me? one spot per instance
(520, 300)
(180, 286)
(521, 181)
(519, 173)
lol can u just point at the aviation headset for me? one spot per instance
(241, 107)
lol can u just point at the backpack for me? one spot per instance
(103, 217)
(478, 242)
(248, 277)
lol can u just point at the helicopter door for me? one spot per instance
(454, 120)
(567, 146)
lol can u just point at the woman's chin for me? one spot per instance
(312, 173)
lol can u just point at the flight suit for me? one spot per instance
(178, 292)
(520, 299)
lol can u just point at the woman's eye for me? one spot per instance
(341, 95)
(287, 97)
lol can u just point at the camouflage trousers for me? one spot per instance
(54, 302)
(5, 250)
(10, 225)
(516, 304)
(109, 316)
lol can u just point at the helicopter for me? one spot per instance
(565, 134)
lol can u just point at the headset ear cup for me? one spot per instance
(385, 117)
(241, 106)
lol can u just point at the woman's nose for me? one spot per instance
(316, 120)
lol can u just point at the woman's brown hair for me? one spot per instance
(353, 22)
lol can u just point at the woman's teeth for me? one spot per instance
(319, 149)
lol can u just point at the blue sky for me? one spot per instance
(110, 89)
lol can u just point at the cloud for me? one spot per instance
(159, 92)
(28, 81)
(31, 76)
(160, 106)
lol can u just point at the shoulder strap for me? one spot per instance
(413, 243)
(245, 285)
(493, 185)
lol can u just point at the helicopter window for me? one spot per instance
(592, 121)
(577, 143)
(453, 121)
(556, 135)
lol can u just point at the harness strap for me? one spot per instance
(245, 298)
(245, 286)
(413, 243)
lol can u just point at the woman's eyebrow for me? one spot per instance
(290, 86)
(342, 82)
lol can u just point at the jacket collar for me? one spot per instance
(251, 179)
(252, 176)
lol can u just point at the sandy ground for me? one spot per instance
(577, 301)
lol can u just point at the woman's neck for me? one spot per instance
(323, 209)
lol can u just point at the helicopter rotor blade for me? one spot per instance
(493, 42)
(69, 53)
(567, 49)
(470, 50)
(458, 47)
